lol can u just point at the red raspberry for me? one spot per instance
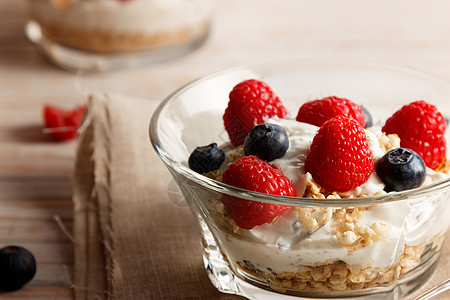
(317, 112)
(62, 124)
(339, 158)
(251, 103)
(421, 128)
(254, 174)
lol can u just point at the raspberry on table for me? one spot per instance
(421, 128)
(251, 103)
(340, 158)
(63, 124)
(254, 174)
(319, 111)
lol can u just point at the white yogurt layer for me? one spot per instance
(277, 247)
(292, 164)
(322, 245)
(319, 248)
(374, 185)
(133, 16)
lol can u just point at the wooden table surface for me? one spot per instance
(35, 172)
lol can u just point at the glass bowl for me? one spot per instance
(97, 36)
(256, 263)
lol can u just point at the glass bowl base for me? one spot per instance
(79, 60)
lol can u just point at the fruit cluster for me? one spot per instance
(339, 157)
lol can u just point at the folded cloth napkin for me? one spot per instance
(131, 240)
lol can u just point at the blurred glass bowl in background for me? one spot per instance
(104, 35)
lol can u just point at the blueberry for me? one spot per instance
(267, 141)
(206, 158)
(17, 267)
(369, 120)
(401, 169)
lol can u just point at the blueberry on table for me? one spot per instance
(206, 158)
(369, 120)
(267, 141)
(401, 169)
(17, 267)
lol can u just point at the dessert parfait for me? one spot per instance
(329, 151)
(107, 26)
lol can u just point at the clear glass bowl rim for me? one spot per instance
(217, 186)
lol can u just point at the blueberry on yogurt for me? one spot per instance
(206, 158)
(267, 142)
(401, 169)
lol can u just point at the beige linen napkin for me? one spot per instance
(131, 240)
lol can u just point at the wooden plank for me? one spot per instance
(59, 275)
(32, 188)
(40, 293)
(53, 253)
(35, 210)
(20, 230)
(44, 159)
(29, 166)
(44, 148)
